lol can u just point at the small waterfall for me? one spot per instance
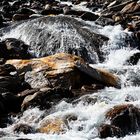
(50, 35)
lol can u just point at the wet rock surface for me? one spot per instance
(133, 60)
(62, 70)
(109, 131)
(45, 51)
(12, 48)
(54, 126)
(124, 119)
(58, 31)
(46, 99)
(23, 128)
(10, 85)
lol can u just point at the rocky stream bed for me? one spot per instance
(69, 69)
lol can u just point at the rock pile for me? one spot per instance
(38, 74)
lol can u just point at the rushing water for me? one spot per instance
(91, 115)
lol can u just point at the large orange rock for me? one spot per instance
(62, 70)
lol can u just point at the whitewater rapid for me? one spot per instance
(90, 115)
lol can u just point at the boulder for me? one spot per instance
(6, 10)
(12, 103)
(11, 83)
(27, 92)
(102, 76)
(134, 59)
(85, 100)
(4, 120)
(118, 18)
(12, 48)
(131, 8)
(25, 11)
(7, 70)
(9, 103)
(89, 16)
(23, 128)
(37, 5)
(107, 130)
(17, 4)
(62, 70)
(45, 99)
(2, 61)
(125, 117)
(19, 17)
(53, 126)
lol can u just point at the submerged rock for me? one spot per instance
(62, 70)
(134, 59)
(103, 21)
(54, 34)
(23, 128)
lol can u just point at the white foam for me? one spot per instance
(89, 116)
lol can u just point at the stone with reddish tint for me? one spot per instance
(62, 70)
(125, 117)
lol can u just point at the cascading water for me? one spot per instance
(89, 115)
(50, 35)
